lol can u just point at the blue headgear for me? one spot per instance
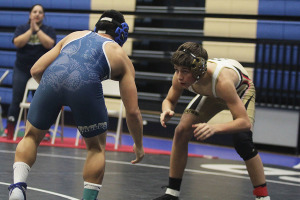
(121, 32)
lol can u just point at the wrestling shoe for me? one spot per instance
(263, 198)
(167, 197)
(17, 195)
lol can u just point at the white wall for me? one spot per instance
(276, 127)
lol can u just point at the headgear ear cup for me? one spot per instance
(198, 65)
(122, 33)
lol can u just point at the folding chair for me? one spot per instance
(32, 85)
(4, 75)
(115, 108)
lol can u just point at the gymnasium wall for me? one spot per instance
(261, 34)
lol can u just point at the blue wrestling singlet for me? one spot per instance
(74, 80)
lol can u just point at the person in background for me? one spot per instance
(219, 84)
(32, 40)
(70, 74)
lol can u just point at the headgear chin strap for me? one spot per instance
(198, 66)
(121, 32)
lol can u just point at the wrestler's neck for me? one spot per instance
(106, 36)
(205, 78)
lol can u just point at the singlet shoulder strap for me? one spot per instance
(215, 77)
(220, 65)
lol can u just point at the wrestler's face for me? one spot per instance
(184, 76)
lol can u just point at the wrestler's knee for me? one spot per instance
(36, 136)
(183, 133)
(244, 146)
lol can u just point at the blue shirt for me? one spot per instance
(33, 50)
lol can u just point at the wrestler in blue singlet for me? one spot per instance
(74, 80)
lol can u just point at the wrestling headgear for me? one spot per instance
(198, 65)
(121, 32)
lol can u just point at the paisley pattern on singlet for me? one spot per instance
(80, 62)
(74, 80)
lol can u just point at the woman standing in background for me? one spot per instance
(32, 40)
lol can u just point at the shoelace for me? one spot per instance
(21, 185)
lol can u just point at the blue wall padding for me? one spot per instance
(13, 18)
(67, 108)
(279, 7)
(268, 79)
(266, 7)
(292, 8)
(7, 58)
(6, 95)
(59, 38)
(282, 30)
(48, 4)
(6, 40)
(18, 3)
(66, 21)
(8, 78)
(290, 52)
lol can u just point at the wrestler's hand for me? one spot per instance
(203, 131)
(166, 116)
(139, 153)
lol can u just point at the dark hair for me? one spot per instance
(182, 58)
(108, 26)
(37, 5)
(32, 7)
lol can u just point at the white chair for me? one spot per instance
(32, 85)
(4, 75)
(115, 108)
